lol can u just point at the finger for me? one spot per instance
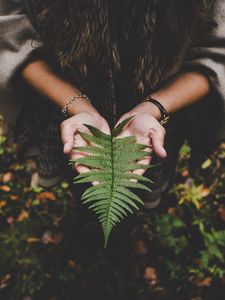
(79, 142)
(67, 136)
(157, 138)
(145, 161)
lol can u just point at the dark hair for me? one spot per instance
(147, 37)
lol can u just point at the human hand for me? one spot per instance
(71, 137)
(147, 130)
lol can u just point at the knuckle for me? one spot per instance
(63, 125)
(153, 130)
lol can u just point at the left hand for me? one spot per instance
(147, 130)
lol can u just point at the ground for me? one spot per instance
(52, 246)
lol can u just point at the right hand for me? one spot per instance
(71, 138)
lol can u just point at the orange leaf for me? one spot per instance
(204, 192)
(203, 282)
(23, 216)
(14, 197)
(185, 173)
(7, 177)
(32, 240)
(172, 211)
(151, 276)
(5, 188)
(2, 204)
(46, 196)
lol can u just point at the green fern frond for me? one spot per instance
(112, 160)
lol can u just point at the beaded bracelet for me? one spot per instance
(65, 107)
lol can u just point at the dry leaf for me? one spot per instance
(26, 190)
(151, 276)
(23, 216)
(185, 173)
(46, 196)
(2, 204)
(203, 282)
(7, 177)
(5, 188)
(14, 197)
(32, 240)
(4, 282)
(204, 192)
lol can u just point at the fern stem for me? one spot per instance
(111, 193)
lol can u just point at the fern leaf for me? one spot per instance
(112, 160)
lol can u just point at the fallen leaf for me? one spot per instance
(2, 204)
(32, 240)
(151, 276)
(14, 197)
(7, 177)
(28, 203)
(26, 190)
(46, 196)
(204, 192)
(5, 188)
(4, 282)
(172, 211)
(23, 216)
(185, 173)
(203, 282)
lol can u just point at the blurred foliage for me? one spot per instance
(51, 247)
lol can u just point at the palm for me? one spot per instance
(139, 127)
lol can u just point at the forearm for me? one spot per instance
(184, 90)
(47, 82)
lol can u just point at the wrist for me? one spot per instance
(80, 105)
(149, 108)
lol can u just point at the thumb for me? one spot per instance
(158, 143)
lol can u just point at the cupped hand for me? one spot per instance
(71, 138)
(148, 131)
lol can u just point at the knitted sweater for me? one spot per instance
(18, 41)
